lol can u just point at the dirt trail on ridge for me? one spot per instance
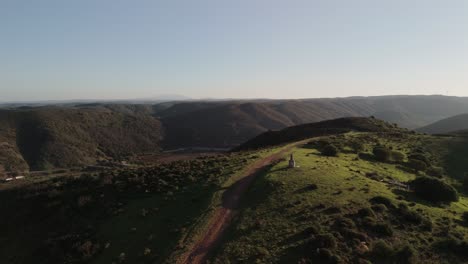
(223, 215)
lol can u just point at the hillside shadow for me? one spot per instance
(455, 161)
(367, 157)
(309, 188)
(293, 254)
(409, 196)
(405, 169)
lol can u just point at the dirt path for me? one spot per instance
(223, 215)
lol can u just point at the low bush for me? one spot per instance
(366, 212)
(382, 200)
(452, 245)
(330, 151)
(435, 171)
(342, 223)
(397, 156)
(327, 257)
(409, 215)
(322, 241)
(383, 230)
(379, 208)
(382, 252)
(356, 146)
(382, 154)
(434, 190)
(420, 157)
(417, 165)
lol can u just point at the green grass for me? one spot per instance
(279, 207)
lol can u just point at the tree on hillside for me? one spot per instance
(330, 151)
(381, 154)
(434, 190)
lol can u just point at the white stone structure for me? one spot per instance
(292, 162)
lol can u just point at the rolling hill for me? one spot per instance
(82, 133)
(43, 138)
(448, 125)
(329, 127)
(227, 124)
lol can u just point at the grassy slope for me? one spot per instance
(279, 208)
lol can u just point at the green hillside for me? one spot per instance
(324, 210)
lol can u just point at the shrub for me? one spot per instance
(385, 253)
(434, 190)
(453, 245)
(383, 229)
(406, 254)
(435, 171)
(342, 223)
(397, 156)
(408, 215)
(381, 250)
(382, 200)
(420, 157)
(330, 151)
(366, 212)
(381, 154)
(322, 241)
(379, 208)
(326, 256)
(356, 146)
(417, 165)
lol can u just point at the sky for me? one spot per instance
(115, 49)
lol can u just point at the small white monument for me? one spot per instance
(292, 162)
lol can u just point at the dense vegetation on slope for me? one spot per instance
(451, 124)
(131, 215)
(351, 207)
(42, 138)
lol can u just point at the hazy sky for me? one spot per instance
(71, 49)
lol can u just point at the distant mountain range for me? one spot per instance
(71, 102)
(41, 137)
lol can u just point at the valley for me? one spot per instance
(77, 135)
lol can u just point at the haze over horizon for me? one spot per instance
(62, 50)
